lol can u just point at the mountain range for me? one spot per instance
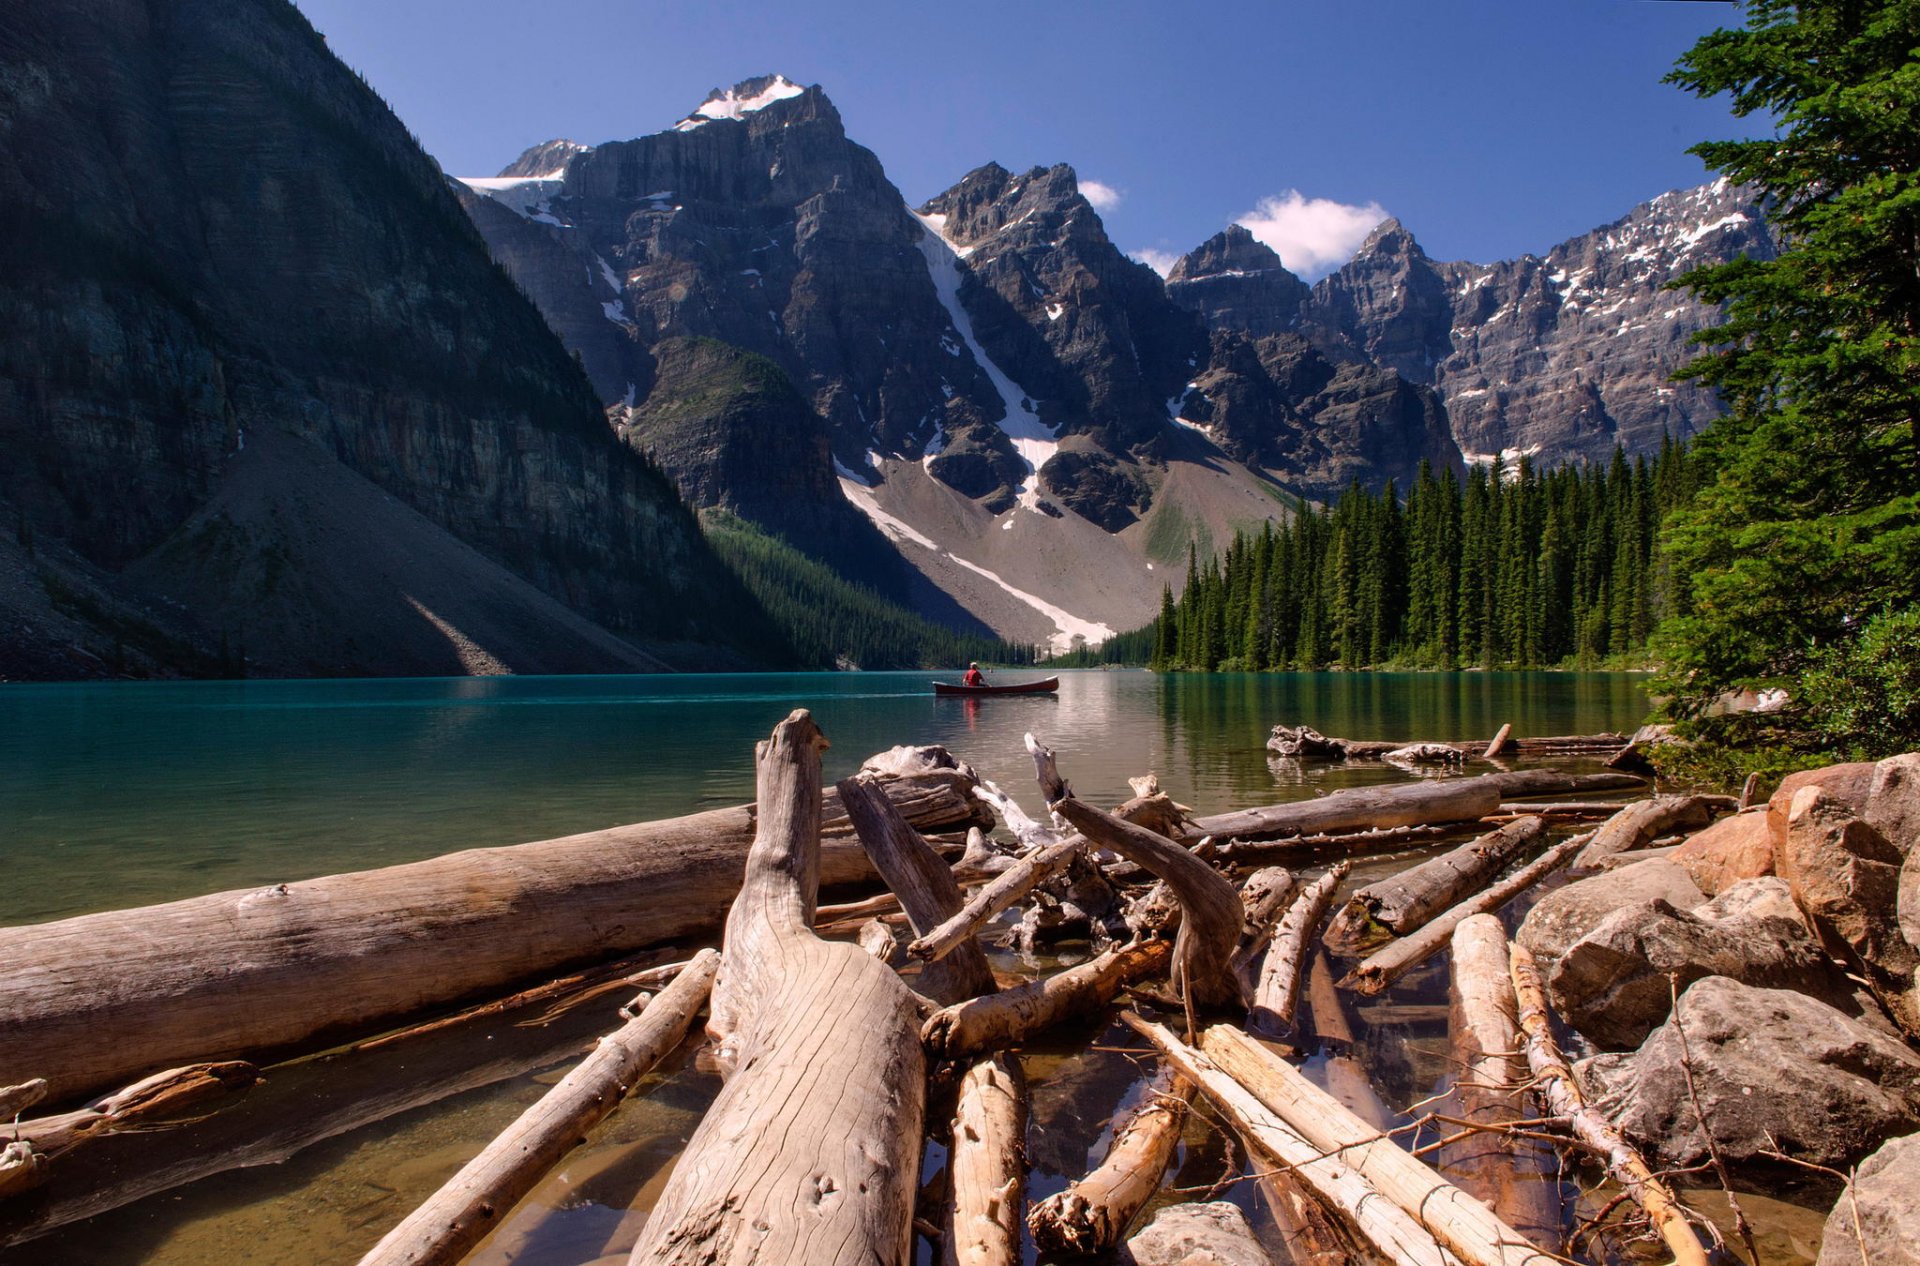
(270, 407)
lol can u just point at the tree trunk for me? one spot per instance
(238, 973)
(1378, 971)
(1092, 1215)
(1010, 1017)
(1642, 822)
(1278, 995)
(988, 1161)
(1514, 1176)
(1380, 1222)
(1405, 902)
(1456, 1219)
(443, 1230)
(811, 1151)
(1557, 1086)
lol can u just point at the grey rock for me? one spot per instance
(1769, 1066)
(1214, 1233)
(1238, 284)
(1567, 914)
(1615, 985)
(1893, 803)
(1876, 1221)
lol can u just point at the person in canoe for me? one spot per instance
(974, 676)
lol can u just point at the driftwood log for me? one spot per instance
(1513, 1175)
(1305, 743)
(236, 973)
(987, 1159)
(1210, 910)
(1465, 1225)
(142, 1106)
(811, 1151)
(1642, 822)
(1409, 900)
(1027, 873)
(444, 1229)
(1380, 1222)
(1354, 843)
(1011, 1016)
(1384, 967)
(1092, 1215)
(1556, 1084)
(1406, 804)
(1277, 996)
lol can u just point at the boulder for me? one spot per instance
(1214, 1233)
(1615, 985)
(1847, 877)
(1566, 914)
(1769, 1066)
(1877, 1217)
(1907, 903)
(1732, 849)
(1851, 784)
(1893, 802)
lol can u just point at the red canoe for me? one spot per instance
(1045, 686)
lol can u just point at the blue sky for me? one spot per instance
(1489, 127)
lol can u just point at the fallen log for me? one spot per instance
(1640, 823)
(1512, 1175)
(880, 939)
(1265, 896)
(1278, 994)
(1460, 1222)
(444, 1229)
(1357, 843)
(1211, 913)
(1405, 902)
(17, 1099)
(1092, 1215)
(1406, 804)
(1305, 743)
(1019, 879)
(141, 1106)
(1555, 1082)
(1384, 967)
(244, 972)
(1498, 745)
(1011, 1016)
(22, 1168)
(1380, 1222)
(778, 1171)
(988, 1163)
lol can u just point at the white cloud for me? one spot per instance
(1104, 197)
(1161, 262)
(1313, 236)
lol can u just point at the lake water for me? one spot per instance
(119, 794)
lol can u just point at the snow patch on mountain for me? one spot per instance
(744, 98)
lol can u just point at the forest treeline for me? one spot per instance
(1508, 567)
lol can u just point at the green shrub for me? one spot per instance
(1863, 696)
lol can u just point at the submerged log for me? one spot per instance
(1011, 1016)
(1381, 969)
(1380, 1222)
(988, 1161)
(1640, 823)
(141, 1106)
(1406, 804)
(1460, 1222)
(1278, 994)
(1557, 1086)
(1405, 902)
(445, 1228)
(250, 971)
(1512, 1175)
(1211, 913)
(1092, 1215)
(776, 1170)
(1305, 743)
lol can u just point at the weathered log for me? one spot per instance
(1511, 1174)
(474, 1201)
(1026, 874)
(987, 1159)
(1265, 896)
(1387, 965)
(1406, 804)
(1308, 1233)
(1356, 843)
(1555, 1082)
(17, 1099)
(1640, 823)
(1211, 914)
(237, 973)
(141, 1106)
(1381, 1222)
(1405, 902)
(1498, 745)
(1011, 1016)
(1460, 1222)
(22, 1168)
(1305, 743)
(924, 884)
(778, 1171)
(882, 940)
(1092, 1215)
(1278, 994)
(1425, 754)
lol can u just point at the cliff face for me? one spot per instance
(214, 229)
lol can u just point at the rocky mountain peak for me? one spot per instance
(1045, 201)
(545, 161)
(1390, 239)
(1235, 250)
(749, 96)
